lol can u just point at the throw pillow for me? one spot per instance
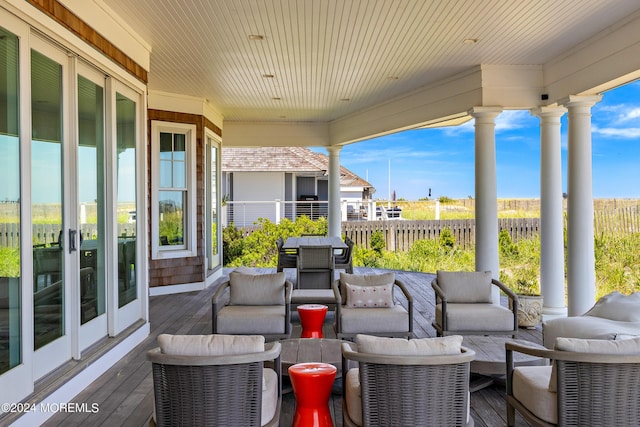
(364, 280)
(256, 289)
(617, 306)
(448, 345)
(369, 296)
(210, 345)
(465, 286)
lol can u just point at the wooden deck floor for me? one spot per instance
(124, 393)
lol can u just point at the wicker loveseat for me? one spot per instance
(614, 316)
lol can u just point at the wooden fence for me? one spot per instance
(400, 235)
(46, 234)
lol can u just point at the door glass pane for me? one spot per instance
(46, 199)
(126, 173)
(91, 198)
(10, 308)
(214, 200)
(212, 204)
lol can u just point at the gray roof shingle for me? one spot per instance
(283, 159)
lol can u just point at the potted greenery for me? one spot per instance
(524, 282)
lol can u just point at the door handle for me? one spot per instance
(72, 240)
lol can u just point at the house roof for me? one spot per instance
(284, 159)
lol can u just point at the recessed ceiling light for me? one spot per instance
(470, 41)
(268, 76)
(256, 37)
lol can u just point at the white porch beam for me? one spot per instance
(486, 193)
(275, 134)
(581, 281)
(551, 212)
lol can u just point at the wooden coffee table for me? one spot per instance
(490, 361)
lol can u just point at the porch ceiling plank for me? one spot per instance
(329, 60)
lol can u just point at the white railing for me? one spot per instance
(243, 214)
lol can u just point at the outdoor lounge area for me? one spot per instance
(116, 115)
(124, 393)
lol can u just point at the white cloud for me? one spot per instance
(513, 119)
(628, 133)
(630, 114)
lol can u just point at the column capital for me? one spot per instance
(334, 149)
(580, 100)
(485, 112)
(548, 112)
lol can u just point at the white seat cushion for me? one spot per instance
(586, 327)
(476, 317)
(353, 396)
(257, 320)
(374, 320)
(269, 395)
(531, 388)
(308, 296)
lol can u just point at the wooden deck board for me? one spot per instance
(124, 393)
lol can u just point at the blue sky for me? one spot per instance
(443, 159)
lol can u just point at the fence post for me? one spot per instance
(277, 211)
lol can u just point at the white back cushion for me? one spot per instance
(210, 345)
(465, 286)
(414, 347)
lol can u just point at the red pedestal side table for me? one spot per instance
(312, 384)
(312, 318)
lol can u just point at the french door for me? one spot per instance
(83, 206)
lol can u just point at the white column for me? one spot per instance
(335, 219)
(581, 283)
(486, 193)
(551, 212)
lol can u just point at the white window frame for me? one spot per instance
(189, 248)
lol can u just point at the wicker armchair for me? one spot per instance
(464, 305)
(591, 389)
(352, 318)
(205, 391)
(405, 390)
(253, 304)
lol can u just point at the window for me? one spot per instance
(173, 188)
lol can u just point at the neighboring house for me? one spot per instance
(253, 179)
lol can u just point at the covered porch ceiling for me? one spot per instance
(301, 72)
